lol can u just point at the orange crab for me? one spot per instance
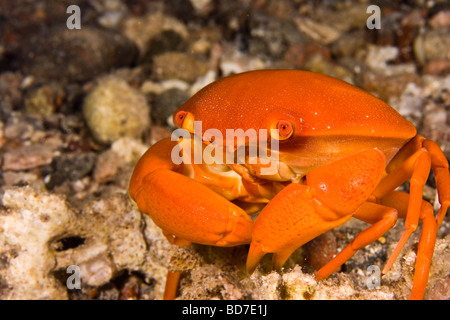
(341, 154)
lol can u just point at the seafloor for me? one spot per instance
(79, 106)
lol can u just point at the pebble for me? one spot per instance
(71, 167)
(45, 100)
(142, 30)
(28, 157)
(271, 37)
(75, 55)
(298, 54)
(379, 57)
(437, 45)
(320, 250)
(106, 166)
(178, 65)
(166, 103)
(113, 109)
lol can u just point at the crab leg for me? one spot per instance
(399, 201)
(403, 159)
(440, 168)
(419, 165)
(300, 213)
(382, 219)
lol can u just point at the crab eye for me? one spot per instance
(179, 118)
(284, 128)
(185, 120)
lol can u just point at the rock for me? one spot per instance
(317, 63)
(233, 61)
(437, 45)
(11, 93)
(298, 54)
(432, 45)
(164, 104)
(320, 250)
(106, 166)
(29, 157)
(202, 7)
(23, 127)
(113, 109)
(129, 150)
(167, 40)
(320, 32)
(177, 65)
(71, 167)
(349, 44)
(378, 58)
(159, 133)
(271, 37)
(387, 88)
(437, 67)
(32, 222)
(41, 237)
(45, 100)
(440, 20)
(75, 55)
(145, 32)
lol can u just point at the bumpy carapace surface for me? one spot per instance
(340, 153)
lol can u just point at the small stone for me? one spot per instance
(437, 67)
(71, 167)
(271, 37)
(202, 7)
(106, 166)
(440, 20)
(142, 30)
(113, 109)
(76, 55)
(97, 271)
(166, 103)
(317, 31)
(129, 150)
(319, 251)
(297, 55)
(158, 133)
(177, 65)
(22, 127)
(378, 59)
(28, 157)
(432, 45)
(45, 100)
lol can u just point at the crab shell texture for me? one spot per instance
(331, 119)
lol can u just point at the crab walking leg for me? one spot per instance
(442, 175)
(173, 277)
(299, 213)
(172, 280)
(399, 201)
(439, 165)
(418, 165)
(382, 219)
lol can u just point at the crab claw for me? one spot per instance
(185, 209)
(300, 212)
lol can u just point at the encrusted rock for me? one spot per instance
(113, 109)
